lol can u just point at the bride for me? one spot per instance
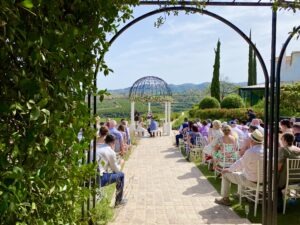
(140, 128)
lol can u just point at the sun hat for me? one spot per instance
(257, 136)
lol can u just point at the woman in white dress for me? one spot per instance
(140, 128)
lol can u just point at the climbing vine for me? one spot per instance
(48, 52)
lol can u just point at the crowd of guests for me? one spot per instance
(112, 142)
(244, 140)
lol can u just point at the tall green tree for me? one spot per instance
(250, 64)
(48, 52)
(215, 83)
(254, 70)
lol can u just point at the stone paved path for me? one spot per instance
(163, 188)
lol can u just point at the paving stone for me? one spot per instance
(163, 188)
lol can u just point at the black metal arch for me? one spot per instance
(201, 11)
(269, 214)
(277, 93)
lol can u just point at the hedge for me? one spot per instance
(224, 114)
(209, 103)
(232, 101)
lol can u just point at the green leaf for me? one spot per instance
(46, 141)
(33, 206)
(27, 4)
(35, 113)
(45, 111)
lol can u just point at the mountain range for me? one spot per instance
(180, 88)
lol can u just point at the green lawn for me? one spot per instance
(292, 216)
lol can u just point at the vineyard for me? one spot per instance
(118, 106)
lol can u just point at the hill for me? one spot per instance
(184, 97)
(174, 88)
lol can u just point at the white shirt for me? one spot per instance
(239, 132)
(247, 164)
(107, 158)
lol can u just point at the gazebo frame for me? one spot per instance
(272, 83)
(151, 89)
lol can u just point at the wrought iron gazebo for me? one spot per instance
(152, 89)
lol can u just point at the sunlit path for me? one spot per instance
(163, 188)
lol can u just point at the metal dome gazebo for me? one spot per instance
(152, 89)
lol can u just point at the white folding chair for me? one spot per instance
(292, 187)
(254, 193)
(229, 156)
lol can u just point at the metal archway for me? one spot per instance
(261, 61)
(269, 213)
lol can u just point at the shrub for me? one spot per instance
(232, 101)
(48, 52)
(209, 103)
(223, 114)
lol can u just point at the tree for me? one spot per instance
(250, 64)
(226, 87)
(254, 70)
(48, 52)
(215, 83)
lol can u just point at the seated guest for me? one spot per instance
(226, 144)
(247, 141)
(193, 135)
(238, 132)
(127, 132)
(285, 126)
(103, 132)
(214, 136)
(181, 128)
(243, 171)
(257, 123)
(122, 129)
(215, 131)
(287, 151)
(296, 132)
(152, 127)
(118, 135)
(106, 159)
(204, 129)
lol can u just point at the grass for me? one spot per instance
(292, 216)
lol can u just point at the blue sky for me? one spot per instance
(182, 49)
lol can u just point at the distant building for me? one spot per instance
(290, 72)
(290, 67)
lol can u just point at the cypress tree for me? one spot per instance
(250, 64)
(215, 83)
(254, 70)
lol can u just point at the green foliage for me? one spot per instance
(223, 114)
(215, 83)
(209, 103)
(259, 105)
(290, 100)
(48, 50)
(252, 71)
(103, 212)
(232, 101)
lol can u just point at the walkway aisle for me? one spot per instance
(163, 188)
